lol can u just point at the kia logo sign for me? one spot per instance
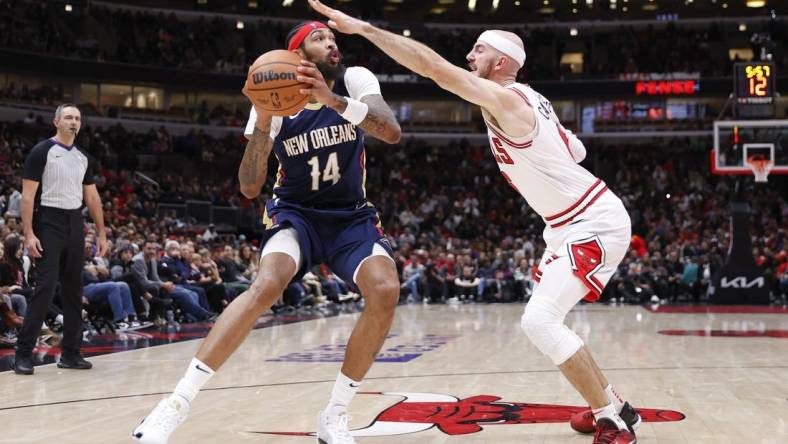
(741, 282)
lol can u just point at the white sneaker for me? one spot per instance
(333, 429)
(157, 427)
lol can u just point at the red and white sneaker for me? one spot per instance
(607, 432)
(584, 422)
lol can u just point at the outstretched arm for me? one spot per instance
(423, 61)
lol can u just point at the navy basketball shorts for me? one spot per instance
(342, 238)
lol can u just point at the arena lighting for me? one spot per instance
(287, 3)
(574, 10)
(756, 3)
(546, 2)
(743, 27)
(472, 5)
(667, 196)
(517, 3)
(724, 6)
(590, 2)
(252, 5)
(625, 9)
(239, 24)
(495, 5)
(406, 32)
(573, 32)
(69, 8)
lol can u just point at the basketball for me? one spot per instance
(272, 83)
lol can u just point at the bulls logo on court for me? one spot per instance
(418, 412)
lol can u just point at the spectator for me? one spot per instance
(230, 272)
(466, 286)
(173, 269)
(14, 206)
(147, 306)
(99, 289)
(145, 269)
(189, 265)
(412, 277)
(248, 261)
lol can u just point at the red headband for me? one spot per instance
(302, 34)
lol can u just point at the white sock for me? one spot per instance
(342, 393)
(609, 412)
(196, 376)
(614, 398)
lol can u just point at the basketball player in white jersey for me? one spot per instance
(588, 229)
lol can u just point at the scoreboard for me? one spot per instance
(753, 89)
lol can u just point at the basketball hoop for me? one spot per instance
(760, 167)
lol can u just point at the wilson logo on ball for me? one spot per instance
(271, 76)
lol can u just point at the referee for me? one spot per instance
(57, 176)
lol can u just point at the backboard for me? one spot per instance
(755, 147)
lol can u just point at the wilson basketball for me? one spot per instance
(272, 83)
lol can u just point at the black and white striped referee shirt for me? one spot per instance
(62, 171)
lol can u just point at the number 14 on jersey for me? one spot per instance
(330, 172)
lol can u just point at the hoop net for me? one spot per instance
(760, 167)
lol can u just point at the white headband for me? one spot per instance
(503, 45)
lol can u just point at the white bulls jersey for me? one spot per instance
(585, 222)
(543, 165)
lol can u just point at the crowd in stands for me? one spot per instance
(217, 45)
(459, 232)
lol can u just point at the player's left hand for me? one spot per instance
(337, 19)
(308, 73)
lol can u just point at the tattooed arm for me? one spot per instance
(254, 166)
(380, 122)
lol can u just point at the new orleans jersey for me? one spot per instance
(320, 154)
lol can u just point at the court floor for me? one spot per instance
(463, 374)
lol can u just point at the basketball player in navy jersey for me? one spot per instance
(319, 213)
(587, 229)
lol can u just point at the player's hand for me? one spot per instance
(309, 74)
(33, 245)
(338, 20)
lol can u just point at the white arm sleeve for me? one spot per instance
(360, 82)
(276, 125)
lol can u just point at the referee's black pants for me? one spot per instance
(62, 237)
